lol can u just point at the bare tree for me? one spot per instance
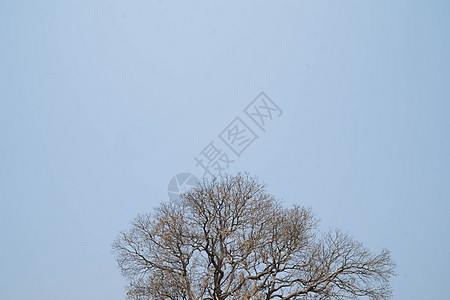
(227, 238)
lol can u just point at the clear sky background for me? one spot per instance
(103, 102)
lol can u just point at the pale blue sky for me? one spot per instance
(103, 102)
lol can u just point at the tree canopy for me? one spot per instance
(228, 238)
